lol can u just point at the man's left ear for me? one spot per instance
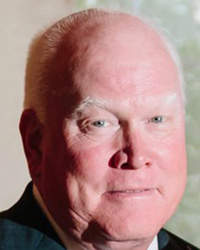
(32, 134)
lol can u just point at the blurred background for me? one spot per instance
(20, 20)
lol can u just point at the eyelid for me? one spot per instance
(163, 119)
(106, 123)
(88, 124)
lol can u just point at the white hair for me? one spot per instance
(39, 89)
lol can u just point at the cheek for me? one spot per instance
(86, 178)
(174, 168)
(89, 169)
(177, 153)
(91, 159)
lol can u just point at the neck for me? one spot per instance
(72, 244)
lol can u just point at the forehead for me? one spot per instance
(116, 56)
(127, 60)
(125, 79)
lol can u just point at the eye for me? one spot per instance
(157, 119)
(100, 123)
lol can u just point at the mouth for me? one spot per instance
(132, 193)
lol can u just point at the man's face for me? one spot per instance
(117, 163)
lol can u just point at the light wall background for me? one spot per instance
(20, 20)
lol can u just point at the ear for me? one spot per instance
(32, 134)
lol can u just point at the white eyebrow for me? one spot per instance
(90, 101)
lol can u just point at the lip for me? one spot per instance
(132, 193)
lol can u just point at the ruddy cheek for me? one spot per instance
(89, 165)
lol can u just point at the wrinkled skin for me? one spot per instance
(113, 169)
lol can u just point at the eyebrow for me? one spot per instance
(90, 101)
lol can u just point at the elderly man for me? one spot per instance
(103, 133)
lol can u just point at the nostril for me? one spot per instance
(125, 166)
(118, 160)
(148, 164)
(127, 160)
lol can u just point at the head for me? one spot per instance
(103, 127)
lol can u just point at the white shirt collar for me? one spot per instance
(154, 244)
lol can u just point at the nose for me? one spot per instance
(138, 156)
(132, 157)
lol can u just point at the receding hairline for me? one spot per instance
(47, 43)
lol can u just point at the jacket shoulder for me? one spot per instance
(170, 241)
(16, 236)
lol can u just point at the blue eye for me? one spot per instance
(157, 119)
(99, 123)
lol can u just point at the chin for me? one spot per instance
(128, 230)
(130, 223)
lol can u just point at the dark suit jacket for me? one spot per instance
(24, 227)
